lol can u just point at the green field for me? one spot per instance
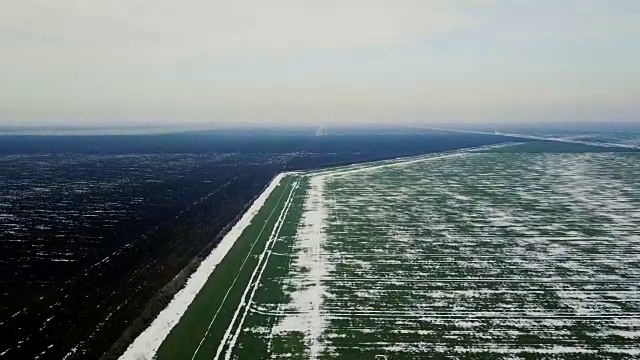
(202, 327)
(469, 255)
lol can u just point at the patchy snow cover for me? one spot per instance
(479, 254)
(146, 344)
(378, 165)
(460, 254)
(305, 310)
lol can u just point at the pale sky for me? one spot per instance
(302, 62)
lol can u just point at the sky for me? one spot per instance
(302, 62)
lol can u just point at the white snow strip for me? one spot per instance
(147, 344)
(308, 297)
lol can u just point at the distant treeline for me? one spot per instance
(381, 144)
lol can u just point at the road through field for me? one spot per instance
(200, 330)
(194, 332)
(231, 334)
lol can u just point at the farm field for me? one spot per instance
(466, 255)
(98, 233)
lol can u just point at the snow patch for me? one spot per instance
(306, 304)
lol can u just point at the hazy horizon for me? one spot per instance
(288, 129)
(194, 63)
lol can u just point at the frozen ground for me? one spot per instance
(475, 255)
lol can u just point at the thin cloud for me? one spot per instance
(301, 61)
(232, 28)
